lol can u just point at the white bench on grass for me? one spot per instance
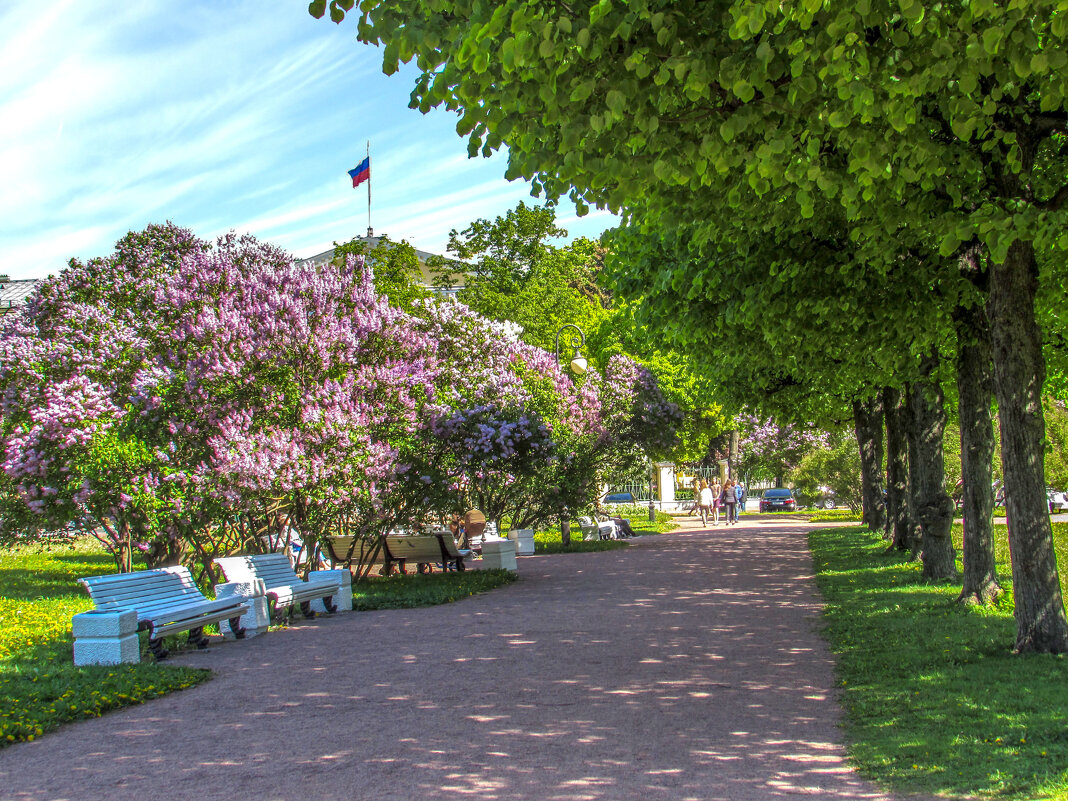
(283, 587)
(597, 529)
(167, 601)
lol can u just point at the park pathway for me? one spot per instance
(687, 666)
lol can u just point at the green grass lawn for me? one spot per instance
(551, 541)
(40, 687)
(935, 701)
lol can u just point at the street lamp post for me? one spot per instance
(573, 340)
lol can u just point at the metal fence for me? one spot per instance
(639, 489)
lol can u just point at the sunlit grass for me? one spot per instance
(551, 541)
(40, 688)
(935, 701)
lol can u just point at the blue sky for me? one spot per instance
(217, 116)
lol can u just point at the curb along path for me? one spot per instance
(687, 666)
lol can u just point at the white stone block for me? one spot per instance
(257, 619)
(498, 555)
(343, 597)
(124, 650)
(523, 539)
(106, 637)
(104, 623)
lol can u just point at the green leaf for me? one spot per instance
(317, 8)
(839, 119)
(743, 90)
(582, 91)
(600, 10)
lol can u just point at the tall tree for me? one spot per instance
(940, 119)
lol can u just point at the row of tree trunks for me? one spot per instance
(868, 425)
(933, 506)
(999, 353)
(975, 391)
(897, 476)
(1019, 372)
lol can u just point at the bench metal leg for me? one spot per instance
(156, 647)
(197, 638)
(306, 610)
(237, 628)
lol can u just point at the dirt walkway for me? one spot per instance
(686, 666)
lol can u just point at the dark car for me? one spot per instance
(777, 500)
(619, 497)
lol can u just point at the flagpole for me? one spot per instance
(370, 230)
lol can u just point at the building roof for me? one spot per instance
(15, 293)
(370, 243)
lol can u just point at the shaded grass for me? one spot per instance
(424, 589)
(935, 702)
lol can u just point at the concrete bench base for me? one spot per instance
(106, 638)
(498, 555)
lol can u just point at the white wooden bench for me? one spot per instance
(167, 601)
(284, 587)
(597, 529)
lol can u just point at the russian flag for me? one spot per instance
(361, 173)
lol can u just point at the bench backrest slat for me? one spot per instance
(337, 548)
(415, 549)
(156, 588)
(450, 546)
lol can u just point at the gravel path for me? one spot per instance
(687, 666)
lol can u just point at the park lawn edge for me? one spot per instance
(934, 701)
(41, 689)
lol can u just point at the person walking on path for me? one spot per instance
(730, 502)
(739, 496)
(717, 501)
(705, 501)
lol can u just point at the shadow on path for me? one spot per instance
(687, 666)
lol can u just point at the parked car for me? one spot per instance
(619, 497)
(781, 499)
(1058, 501)
(827, 499)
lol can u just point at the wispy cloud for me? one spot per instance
(218, 116)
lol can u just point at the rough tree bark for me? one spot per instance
(934, 508)
(1019, 372)
(897, 482)
(975, 389)
(868, 425)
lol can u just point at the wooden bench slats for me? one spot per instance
(396, 549)
(166, 600)
(283, 585)
(337, 549)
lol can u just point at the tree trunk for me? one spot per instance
(868, 425)
(934, 508)
(975, 388)
(732, 455)
(1019, 372)
(897, 521)
(565, 532)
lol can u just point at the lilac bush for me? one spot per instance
(769, 449)
(191, 399)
